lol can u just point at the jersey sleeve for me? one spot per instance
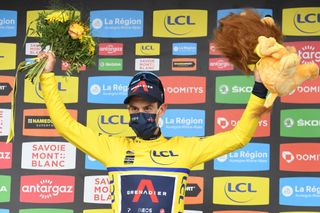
(207, 148)
(77, 134)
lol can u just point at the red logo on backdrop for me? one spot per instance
(194, 190)
(65, 66)
(227, 119)
(184, 89)
(307, 93)
(5, 155)
(309, 51)
(148, 185)
(213, 50)
(36, 122)
(300, 157)
(110, 49)
(47, 189)
(220, 64)
(6, 88)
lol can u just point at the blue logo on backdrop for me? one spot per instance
(147, 193)
(223, 13)
(300, 191)
(4, 210)
(91, 163)
(184, 48)
(253, 157)
(108, 89)
(116, 23)
(183, 122)
(8, 23)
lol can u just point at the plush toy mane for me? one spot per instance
(237, 36)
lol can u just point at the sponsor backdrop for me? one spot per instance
(277, 172)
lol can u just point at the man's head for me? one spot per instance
(145, 103)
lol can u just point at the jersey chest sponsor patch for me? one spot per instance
(147, 193)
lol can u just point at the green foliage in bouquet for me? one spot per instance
(66, 36)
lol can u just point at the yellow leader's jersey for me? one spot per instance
(147, 175)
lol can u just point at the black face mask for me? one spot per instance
(143, 124)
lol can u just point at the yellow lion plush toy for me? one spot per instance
(252, 43)
(280, 69)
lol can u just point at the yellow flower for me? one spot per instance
(58, 16)
(76, 31)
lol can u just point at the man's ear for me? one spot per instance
(162, 109)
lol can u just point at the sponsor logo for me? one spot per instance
(108, 89)
(5, 188)
(7, 56)
(6, 88)
(183, 122)
(300, 191)
(300, 123)
(233, 89)
(68, 89)
(220, 64)
(47, 189)
(213, 50)
(194, 190)
(5, 155)
(137, 190)
(34, 48)
(164, 157)
(303, 21)
(116, 23)
(47, 210)
(65, 66)
(129, 157)
(241, 190)
(184, 89)
(147, 64)
(309, 51)
(307, 93)
(111, 49)
(36, 122)
(223, 13)
(300, 157)
(97, 189)
(112, 122)
(226, 120)
(253, 157)
(91, 163)
(147, 49)
(184, 48)
(180, 23)
(110, 64)
(4, 121)
(48, 156)
(184, 64)
(8, 23)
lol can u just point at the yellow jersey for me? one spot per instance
(147, 175)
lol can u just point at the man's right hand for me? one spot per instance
(50, 62)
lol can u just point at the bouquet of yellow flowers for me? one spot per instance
(67, 37)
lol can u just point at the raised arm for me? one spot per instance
(79, 135)
(210, 147)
